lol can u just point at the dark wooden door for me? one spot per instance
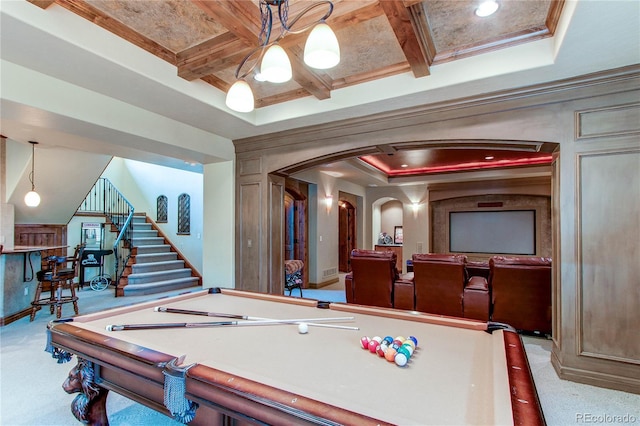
(289, 227)
(295, 230)
(346, 234)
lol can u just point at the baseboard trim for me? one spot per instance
(595, 378)
(15, 317)
(324, 283)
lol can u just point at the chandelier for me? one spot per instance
(321, 51)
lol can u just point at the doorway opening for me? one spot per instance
(346, 234)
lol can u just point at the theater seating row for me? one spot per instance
(515, 290)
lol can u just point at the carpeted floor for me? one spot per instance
(31, 393)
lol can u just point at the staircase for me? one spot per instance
(154, 265)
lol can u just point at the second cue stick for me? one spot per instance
(122, 327)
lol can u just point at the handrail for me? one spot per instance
(106, 199)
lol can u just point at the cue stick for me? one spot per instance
(214, 324)
(245, 317)
(203, 313)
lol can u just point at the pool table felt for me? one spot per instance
(455, 376)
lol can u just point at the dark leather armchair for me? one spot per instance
(521, 292)
(372, 278)
(439, 283)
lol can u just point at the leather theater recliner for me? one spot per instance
(439, 281)
(373, 278)
(521, 292)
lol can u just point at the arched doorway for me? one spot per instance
(346, 234)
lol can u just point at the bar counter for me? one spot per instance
(18, 268)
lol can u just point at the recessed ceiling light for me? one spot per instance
(487, 8)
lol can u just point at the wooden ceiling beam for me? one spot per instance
(363, 77)
(242, 21)
(401, 21)
(241, 18)
(310, 80)
(203, 59)
(42, 4)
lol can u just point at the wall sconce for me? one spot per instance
(329, 202)
(32, 199)
(415, 207)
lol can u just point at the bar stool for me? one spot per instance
(56, 279)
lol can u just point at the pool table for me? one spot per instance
(462, 371)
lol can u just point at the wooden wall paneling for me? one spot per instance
(248, 264)
(609, 297)
(542, 112)
(615, 120)
(557, 254)
(42, 235)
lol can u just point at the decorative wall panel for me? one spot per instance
(249, 236)
(612, 121)
(609, 296)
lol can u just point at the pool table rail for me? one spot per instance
(137, 372)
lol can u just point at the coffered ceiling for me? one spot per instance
(207, 40)
(161, 68)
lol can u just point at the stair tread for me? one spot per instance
(161, 262)
(155, 273)
(181, 279)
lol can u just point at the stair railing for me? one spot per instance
(106, 199)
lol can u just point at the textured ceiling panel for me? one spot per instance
(459, 26)
(176, 25)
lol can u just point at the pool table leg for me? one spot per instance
(90, 405)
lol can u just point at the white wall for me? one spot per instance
(415, 223)
(390, 216)
(218, 247)
(141, 183)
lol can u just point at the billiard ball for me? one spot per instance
(303, 328)
(382, 349)
(390, 354)
(364, 342)
(401, 359)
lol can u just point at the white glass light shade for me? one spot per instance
(487, 8)
(322, 50)
(32, 199)
(276, 67)
(240, 97)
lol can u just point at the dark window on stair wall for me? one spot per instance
(162, 207)
(184, 214)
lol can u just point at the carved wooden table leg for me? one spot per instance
(90, 405)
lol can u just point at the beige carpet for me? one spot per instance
(31, 392)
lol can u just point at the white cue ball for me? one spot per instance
(303, 328)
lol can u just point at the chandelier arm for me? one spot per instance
(288, 26)
(260, 49)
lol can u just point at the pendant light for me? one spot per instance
(321, 51)
(32, 199)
